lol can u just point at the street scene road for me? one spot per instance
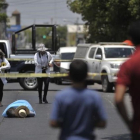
(37, 128)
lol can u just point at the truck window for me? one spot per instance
(118, 52)
(27, 40)
(91, 53)
(3, 48)
(44, 35)
(24, 40)
(67, 56)
(81, 52)
(99, 52)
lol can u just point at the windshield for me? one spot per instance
(118, 52)
(67, 56)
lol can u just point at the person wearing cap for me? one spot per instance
(43, 61)
(4, 65)
(19, 108)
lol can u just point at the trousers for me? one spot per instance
(1, 89)
(40, 81)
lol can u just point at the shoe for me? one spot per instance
(40, 101)
(45, 101)
(1, 105)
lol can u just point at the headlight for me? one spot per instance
(115, 66)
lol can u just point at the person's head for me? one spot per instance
(21, 112)
(134, 32)
(11, 112)
(1, 54)
(42, 49)
(78, 71)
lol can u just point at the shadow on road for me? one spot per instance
(118, 137)
(28, 90)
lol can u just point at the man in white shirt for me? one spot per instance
(43, 61)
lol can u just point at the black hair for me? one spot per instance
(134, 32)
(11, 112)
(78, 71)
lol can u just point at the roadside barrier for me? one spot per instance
(51, 75)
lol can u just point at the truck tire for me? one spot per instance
(106, 85)
(28, 83)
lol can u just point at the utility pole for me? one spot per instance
(51, 20)
(77, 25)
(55, 13)
(34, 20)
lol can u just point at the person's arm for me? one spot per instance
(50, 59)
(119, 101)
(55, 114)
(7, 65)
(55, 124)
(35, 60)
(101, 124)
(101, 118)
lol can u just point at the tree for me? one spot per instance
(62, 35)
(107, 20)
(3, 15)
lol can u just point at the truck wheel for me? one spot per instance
(106, 85)
(28, 83)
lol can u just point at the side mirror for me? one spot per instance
(98, 56)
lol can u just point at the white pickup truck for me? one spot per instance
(104, 58)
(24, 46)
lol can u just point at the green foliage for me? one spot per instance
(62, 35)
(107, 20)
(3, 15)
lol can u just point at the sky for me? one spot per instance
(43, 12)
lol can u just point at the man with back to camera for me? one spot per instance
(77, 111)
(129, 77)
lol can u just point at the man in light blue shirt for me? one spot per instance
(78, 110)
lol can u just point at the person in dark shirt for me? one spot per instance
(129, 77)
(77, 111)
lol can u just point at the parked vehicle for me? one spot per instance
(66, 55)
(24, 46)
(104, 58)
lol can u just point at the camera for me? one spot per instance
(44, 69)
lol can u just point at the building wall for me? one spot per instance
(75, 34)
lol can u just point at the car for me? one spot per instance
(104, 61)
(66, 55)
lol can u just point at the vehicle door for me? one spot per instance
(91, 60)
(97, 63)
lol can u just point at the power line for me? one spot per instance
(28, 3)
(43, 10)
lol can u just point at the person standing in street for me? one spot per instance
(4, 65)
(77, 111)
(43, 61)
(129, 77)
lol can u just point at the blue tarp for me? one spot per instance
(17, 104)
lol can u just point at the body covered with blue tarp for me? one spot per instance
(20, 103)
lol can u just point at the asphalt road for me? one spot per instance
(37, 128)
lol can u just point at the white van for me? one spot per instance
(66, 54)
